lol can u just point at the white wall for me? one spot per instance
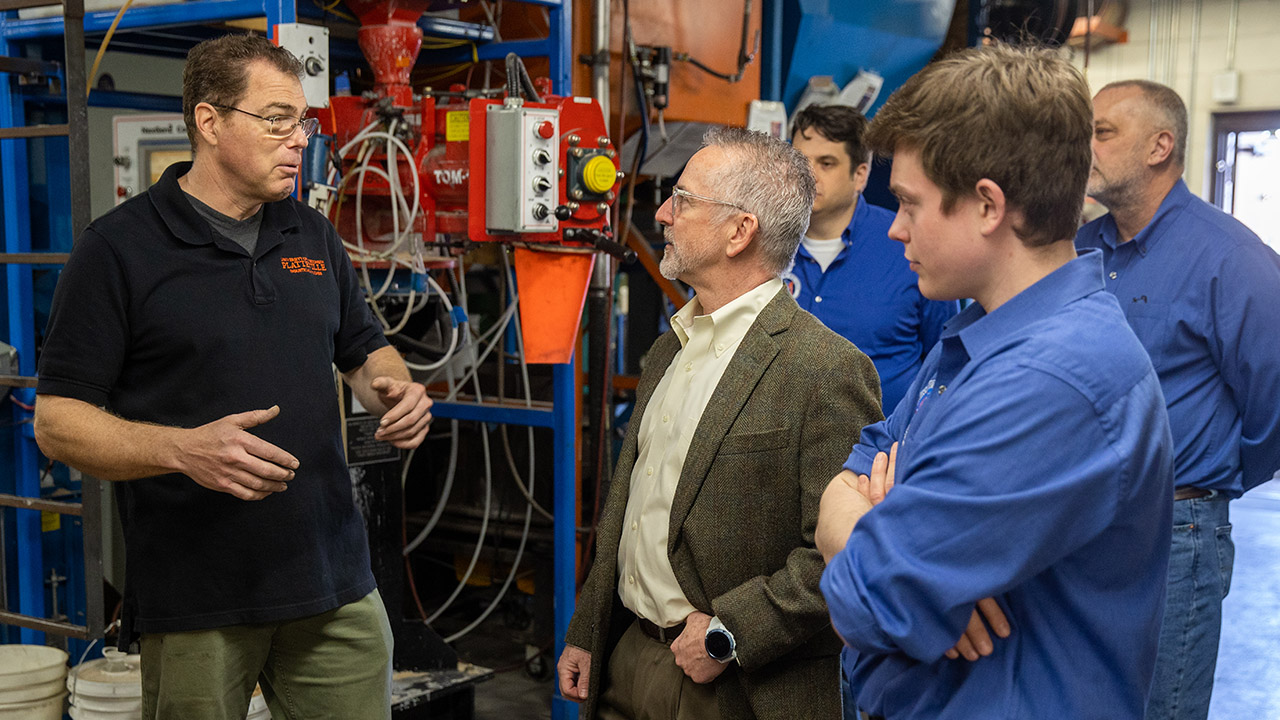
(1178, 56)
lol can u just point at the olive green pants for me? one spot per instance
(332, 665)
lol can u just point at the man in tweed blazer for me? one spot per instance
(745, 410)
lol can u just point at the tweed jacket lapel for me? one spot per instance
(752, 358)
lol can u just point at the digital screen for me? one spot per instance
(160, 159)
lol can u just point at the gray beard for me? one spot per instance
(671, 264)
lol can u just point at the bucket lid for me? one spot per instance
(115, 674)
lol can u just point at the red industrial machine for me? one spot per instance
(416, 175)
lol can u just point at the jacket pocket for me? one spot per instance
(749, 442)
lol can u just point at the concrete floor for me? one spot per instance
(1247, 686)
(1247, 682)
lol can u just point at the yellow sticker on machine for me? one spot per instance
(457, 126)
(50, 521)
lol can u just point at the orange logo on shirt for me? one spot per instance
(303, 265)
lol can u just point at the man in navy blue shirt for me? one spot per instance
(1028, 482)
(1202, 293)
(846, 271)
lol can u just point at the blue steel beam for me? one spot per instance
(560, 36)
(565, 511)
(771, 53)
(447, 29)
(490, 413)
(115, 99)
(21, 334)
(492, 51)
(151, 16)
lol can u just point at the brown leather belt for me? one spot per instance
(1190, 493)
(661, 634)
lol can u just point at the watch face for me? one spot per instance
(718, 645)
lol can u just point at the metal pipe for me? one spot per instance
(600, 29)
(600, 296)
(77, 116)
(1233, 24)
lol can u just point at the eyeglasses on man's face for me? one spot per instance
(680, 197)
(281, 127)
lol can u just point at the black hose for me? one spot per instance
(518, 82)
(513, 82)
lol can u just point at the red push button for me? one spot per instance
(545, 130)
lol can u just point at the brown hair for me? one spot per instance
(837, 123)
(1019, 116)
(1170, 111)
(217, 72)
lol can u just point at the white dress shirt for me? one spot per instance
(646, 582)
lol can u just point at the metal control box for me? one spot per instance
(310, 44)
(145, 145)
(522, 169)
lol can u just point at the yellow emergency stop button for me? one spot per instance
(598, 174)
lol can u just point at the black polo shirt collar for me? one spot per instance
(170, 201)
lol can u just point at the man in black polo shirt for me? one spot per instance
(189, 352)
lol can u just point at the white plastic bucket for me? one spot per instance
(107, 689)
(31, 682)
(83, 714)
(44, 709)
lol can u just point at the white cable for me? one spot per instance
(444, 492)
(528, 511)
(453, 450)
(453, 337)
(484, 523)
(76, 680)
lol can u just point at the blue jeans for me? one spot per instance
(848, 704)
(1200, 563)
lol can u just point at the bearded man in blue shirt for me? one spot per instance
(1033, 461)
(847, 271)
(1202, 293)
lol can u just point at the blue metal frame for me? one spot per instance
(21, 328)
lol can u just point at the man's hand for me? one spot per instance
(976, 642)
(848, 498)
(408, 415)
(876, 487)
(223, 457)
(574, 669)
(690, 650)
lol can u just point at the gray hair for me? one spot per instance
(771, 180)
(1169, 109)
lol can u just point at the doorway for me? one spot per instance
(1246, 167)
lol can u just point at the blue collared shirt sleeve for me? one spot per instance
(1017, 452)
(881, 436)
(1246, 321)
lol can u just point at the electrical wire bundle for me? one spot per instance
(401, 250)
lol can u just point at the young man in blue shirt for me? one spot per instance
(1202, 293)
(846, 271)
(1024, 474)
